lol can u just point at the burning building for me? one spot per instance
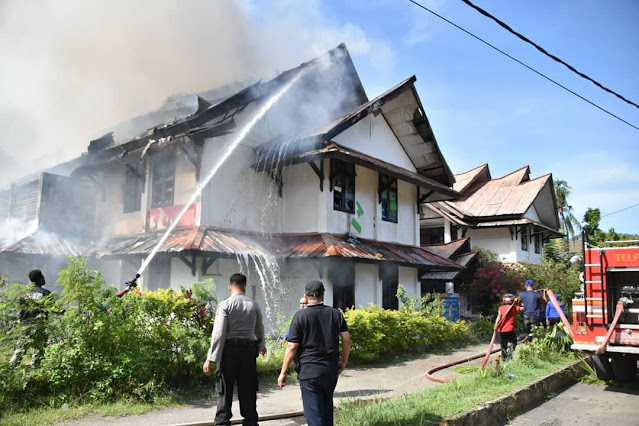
(326, 185)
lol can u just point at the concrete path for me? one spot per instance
(390, 380)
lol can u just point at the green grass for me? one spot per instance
(268, 369)
(452, 398)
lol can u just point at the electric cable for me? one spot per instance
(618, 211)
(545, 52)
(525, 65)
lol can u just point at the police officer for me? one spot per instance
(236, 340)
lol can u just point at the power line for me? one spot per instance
(525, 65)
(618, 211)
(545, 52)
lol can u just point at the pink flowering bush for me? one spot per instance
(491, 283)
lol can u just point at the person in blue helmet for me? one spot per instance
(531, 300)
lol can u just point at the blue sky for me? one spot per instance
(485, 108)
(71, 70)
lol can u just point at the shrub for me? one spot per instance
(103, 348)
(379, 333)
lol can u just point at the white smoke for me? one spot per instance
(70, 71)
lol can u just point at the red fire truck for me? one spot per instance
(605, 314)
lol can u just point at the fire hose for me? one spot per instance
(129, 285)
(618, 311)
(491, 351)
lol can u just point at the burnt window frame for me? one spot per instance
(341, 174)
(387, 186)
(389, 277)
(164, 162)
(341, 274)
(132, 190)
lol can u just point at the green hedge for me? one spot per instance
(380, 333)
(102, 348)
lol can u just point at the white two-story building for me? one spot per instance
(326, 185)
(512, 215)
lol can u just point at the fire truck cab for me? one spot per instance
(606, 312)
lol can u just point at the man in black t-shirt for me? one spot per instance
(314, 337)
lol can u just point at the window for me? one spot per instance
(390, 280)
(163, 178)
(388, 198)
(343, 186)
(524, 238)
(132, 192)
(537, 243)
(431, 236)
(342, 276)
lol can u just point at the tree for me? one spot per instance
(596, 236)
(567, 220)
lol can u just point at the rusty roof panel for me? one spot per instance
(47, 243)
(448, 250)
(229, 242)
(511, 195)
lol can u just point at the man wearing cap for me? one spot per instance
(314, 334)
(532, 307)
(237, 337)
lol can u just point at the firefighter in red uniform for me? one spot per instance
(505, 325)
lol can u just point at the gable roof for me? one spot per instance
(212, 115)
(402, 110)
(509, 195)
(464, 180)
(503, 201)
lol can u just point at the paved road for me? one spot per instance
(586, 405)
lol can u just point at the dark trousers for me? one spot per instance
(529, 321)
(237, 366)
(508, 338)
(317, 399)
(554, 320)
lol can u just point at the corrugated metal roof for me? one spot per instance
(510, 195)
(463, 260)
(47, 243)
(229, 242)
(448, 250)
(463, 180)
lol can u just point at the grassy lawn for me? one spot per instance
(452, 398)
(268, 370)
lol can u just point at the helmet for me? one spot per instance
(508, 299)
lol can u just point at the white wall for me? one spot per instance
(499, 241)
(405, 231)
(302, 199)
(373, 136)
(368, 288)
(408, 278)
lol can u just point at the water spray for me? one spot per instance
(229, 150)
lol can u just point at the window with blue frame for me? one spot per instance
(388, 197)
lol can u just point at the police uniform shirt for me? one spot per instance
(236, 317)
